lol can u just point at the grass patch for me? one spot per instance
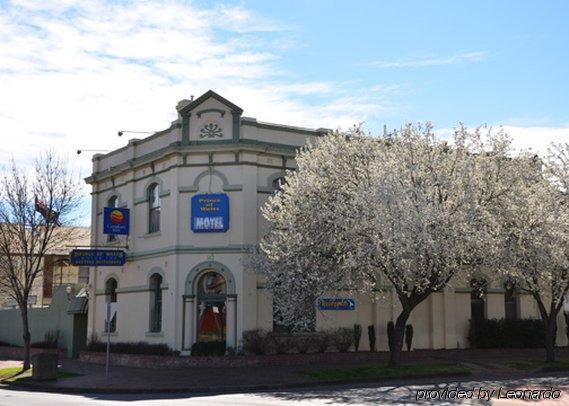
(15, 374)
(385, 372)
(536, 364)
(9, 372)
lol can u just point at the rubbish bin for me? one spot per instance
(44, 366)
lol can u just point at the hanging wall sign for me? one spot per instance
(97, 257)
(337, 304)
(210, 213)
(116, 220)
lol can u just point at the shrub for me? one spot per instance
(279, 343)
(4, 344)
(357, 336)
(371, 337)
(255, 342)
(50, 340)
(502, 333)
(303, 343)
(208, 348)
(343, 339)
(322, 340)
(126, 347)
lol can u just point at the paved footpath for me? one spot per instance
(352, 395)
(485, 364)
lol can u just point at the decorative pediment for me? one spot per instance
(210, 118)
(186, 109)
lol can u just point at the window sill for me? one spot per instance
(154, 334)
(112, 334)
(154, 234)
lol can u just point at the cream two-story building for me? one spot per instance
(184, 280)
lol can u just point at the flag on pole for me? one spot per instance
(48, 214)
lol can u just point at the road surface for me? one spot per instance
(475, 392)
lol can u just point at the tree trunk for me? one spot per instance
(566, 314)
(398, 334)
(550, 338)
(26, 336)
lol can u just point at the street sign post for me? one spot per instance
(111, 312)
(97, 257)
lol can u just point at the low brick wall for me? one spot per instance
(347, 358)
(17, 353)
(157, 361)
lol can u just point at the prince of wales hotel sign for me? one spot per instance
(210, 213)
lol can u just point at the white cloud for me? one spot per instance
(463, 57)
(536, 138)
(72, 73)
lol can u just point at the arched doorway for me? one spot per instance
(209, 310)
(211, 307)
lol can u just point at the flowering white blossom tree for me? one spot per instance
(534, 224)
(361, 213)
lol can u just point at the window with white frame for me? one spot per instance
(156, 303)
(154, 208)
(510, 300)
(478, 290)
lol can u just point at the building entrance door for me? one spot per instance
(211, 308)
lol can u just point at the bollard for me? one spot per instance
(44, 366)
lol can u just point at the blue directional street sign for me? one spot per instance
(337, 303)
(99, 257)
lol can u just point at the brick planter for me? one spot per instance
(331, 358)
(17, 353)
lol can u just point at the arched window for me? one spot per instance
(154, 208)
(478, 299)
(212, 294)
(278, 184)
(155, 303)
(510, 300)
(111, 297)
(112, 202)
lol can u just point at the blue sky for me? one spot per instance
(503, 62)
(73, 73)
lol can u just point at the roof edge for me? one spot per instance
(210, 93)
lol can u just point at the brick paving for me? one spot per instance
(484, 364)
